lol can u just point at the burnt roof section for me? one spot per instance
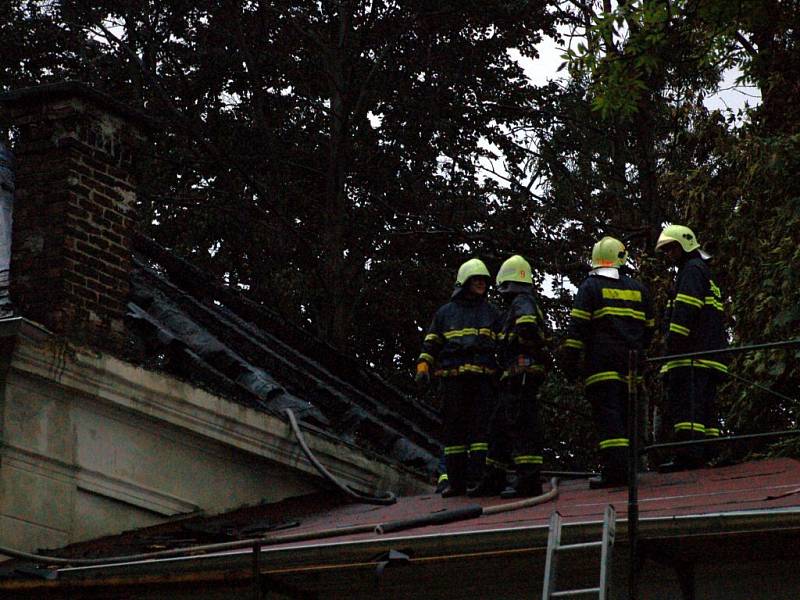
(188, 325)
(767, 487)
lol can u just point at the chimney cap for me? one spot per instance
(79, 89)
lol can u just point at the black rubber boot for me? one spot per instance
(680, 463)
(456, 475)
(492, 483)
(606, 481)
(670, 466)
(526, 485)
(476, 467)
(686, 458)
(451, 491)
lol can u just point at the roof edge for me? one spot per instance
(453, 544)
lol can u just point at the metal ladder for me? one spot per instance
(554, 547)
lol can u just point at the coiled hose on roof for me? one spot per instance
(387, 497)
(473, 511)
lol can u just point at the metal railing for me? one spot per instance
(634, 451)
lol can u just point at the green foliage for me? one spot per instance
(329, 159)
(744, 194)
(750, 201)
(570, 439)
(643, 70)
(323, 157)
(640, 49)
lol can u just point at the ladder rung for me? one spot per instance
(554, 546)
(580, 546)
(567, 593)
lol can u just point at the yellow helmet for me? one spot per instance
(515, 269)
(678, 233)
(608, 252)
(474, 267)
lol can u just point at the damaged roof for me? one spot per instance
(742, 512)
(188, 325)
(767, 486)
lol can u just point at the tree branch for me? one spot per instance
(751, 50)
(191, 130)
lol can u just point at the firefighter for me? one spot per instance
(694, 323)
(612, 315)
(459, 348)
(515, 429)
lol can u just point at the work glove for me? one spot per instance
(423, 376)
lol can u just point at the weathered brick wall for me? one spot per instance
(74, 212)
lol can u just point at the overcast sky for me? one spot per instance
(729, 97)
(545, 68)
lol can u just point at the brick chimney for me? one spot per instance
(74, 210)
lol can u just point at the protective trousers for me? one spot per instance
(607, 392)
(692, 395)
(515, 429)
(467, 403)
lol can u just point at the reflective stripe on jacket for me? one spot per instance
(523, 336)
(695, 317)
(462, 338)
(609, 318)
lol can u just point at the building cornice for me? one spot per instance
(122, 386)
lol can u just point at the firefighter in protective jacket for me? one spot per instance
(694, 323)
(459, 348)
(515, 430)
(612, 315)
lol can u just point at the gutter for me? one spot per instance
(429, 548)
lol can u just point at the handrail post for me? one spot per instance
(633, 474)
(692, 391)
(257, 595)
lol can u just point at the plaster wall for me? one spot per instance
(92, 446)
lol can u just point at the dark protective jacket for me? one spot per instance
(523, 337)
(462, 337)
(610, 317)
(695, 317)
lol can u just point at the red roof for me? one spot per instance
(743, 512)
(761, 486)
(754, 486)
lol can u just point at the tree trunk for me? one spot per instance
(335, 310)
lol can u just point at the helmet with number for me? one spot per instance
(514, 275)
(474, 267)
(515, 269)
(680, 234)
(608, 252)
